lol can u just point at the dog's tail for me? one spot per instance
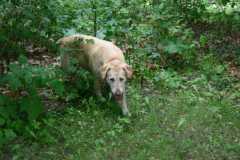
(61, 41)
(70, 39)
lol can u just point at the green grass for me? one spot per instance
(195, 119)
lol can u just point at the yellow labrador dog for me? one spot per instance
(103, 59)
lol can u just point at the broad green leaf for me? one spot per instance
(2, 121)
(22, 59)
(14, 82)
(9, 134)
(57, 86)
(32, 105)
(171, 48)
(181, 121)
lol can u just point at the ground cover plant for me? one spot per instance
(184, 97)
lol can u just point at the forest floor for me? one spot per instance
(196, 119)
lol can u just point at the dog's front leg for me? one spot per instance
(98, 87)
(124, 107)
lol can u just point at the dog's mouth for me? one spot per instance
(118, 97)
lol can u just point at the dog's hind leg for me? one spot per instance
(64, 60)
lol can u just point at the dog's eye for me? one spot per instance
(112, 79)
(121, 79)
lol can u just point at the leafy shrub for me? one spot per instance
(168, 79)
(160, 36)
(20, 103)
(27, 24)
(225, 14)
(190, 10)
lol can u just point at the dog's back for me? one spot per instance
(91, 52)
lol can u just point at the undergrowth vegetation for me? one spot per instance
(184, 95)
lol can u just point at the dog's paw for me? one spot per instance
(127, 113)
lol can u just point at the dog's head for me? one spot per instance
(116, 76)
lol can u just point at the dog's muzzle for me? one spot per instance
(118, 95)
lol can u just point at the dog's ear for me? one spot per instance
(129, 71)
(104, 69)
